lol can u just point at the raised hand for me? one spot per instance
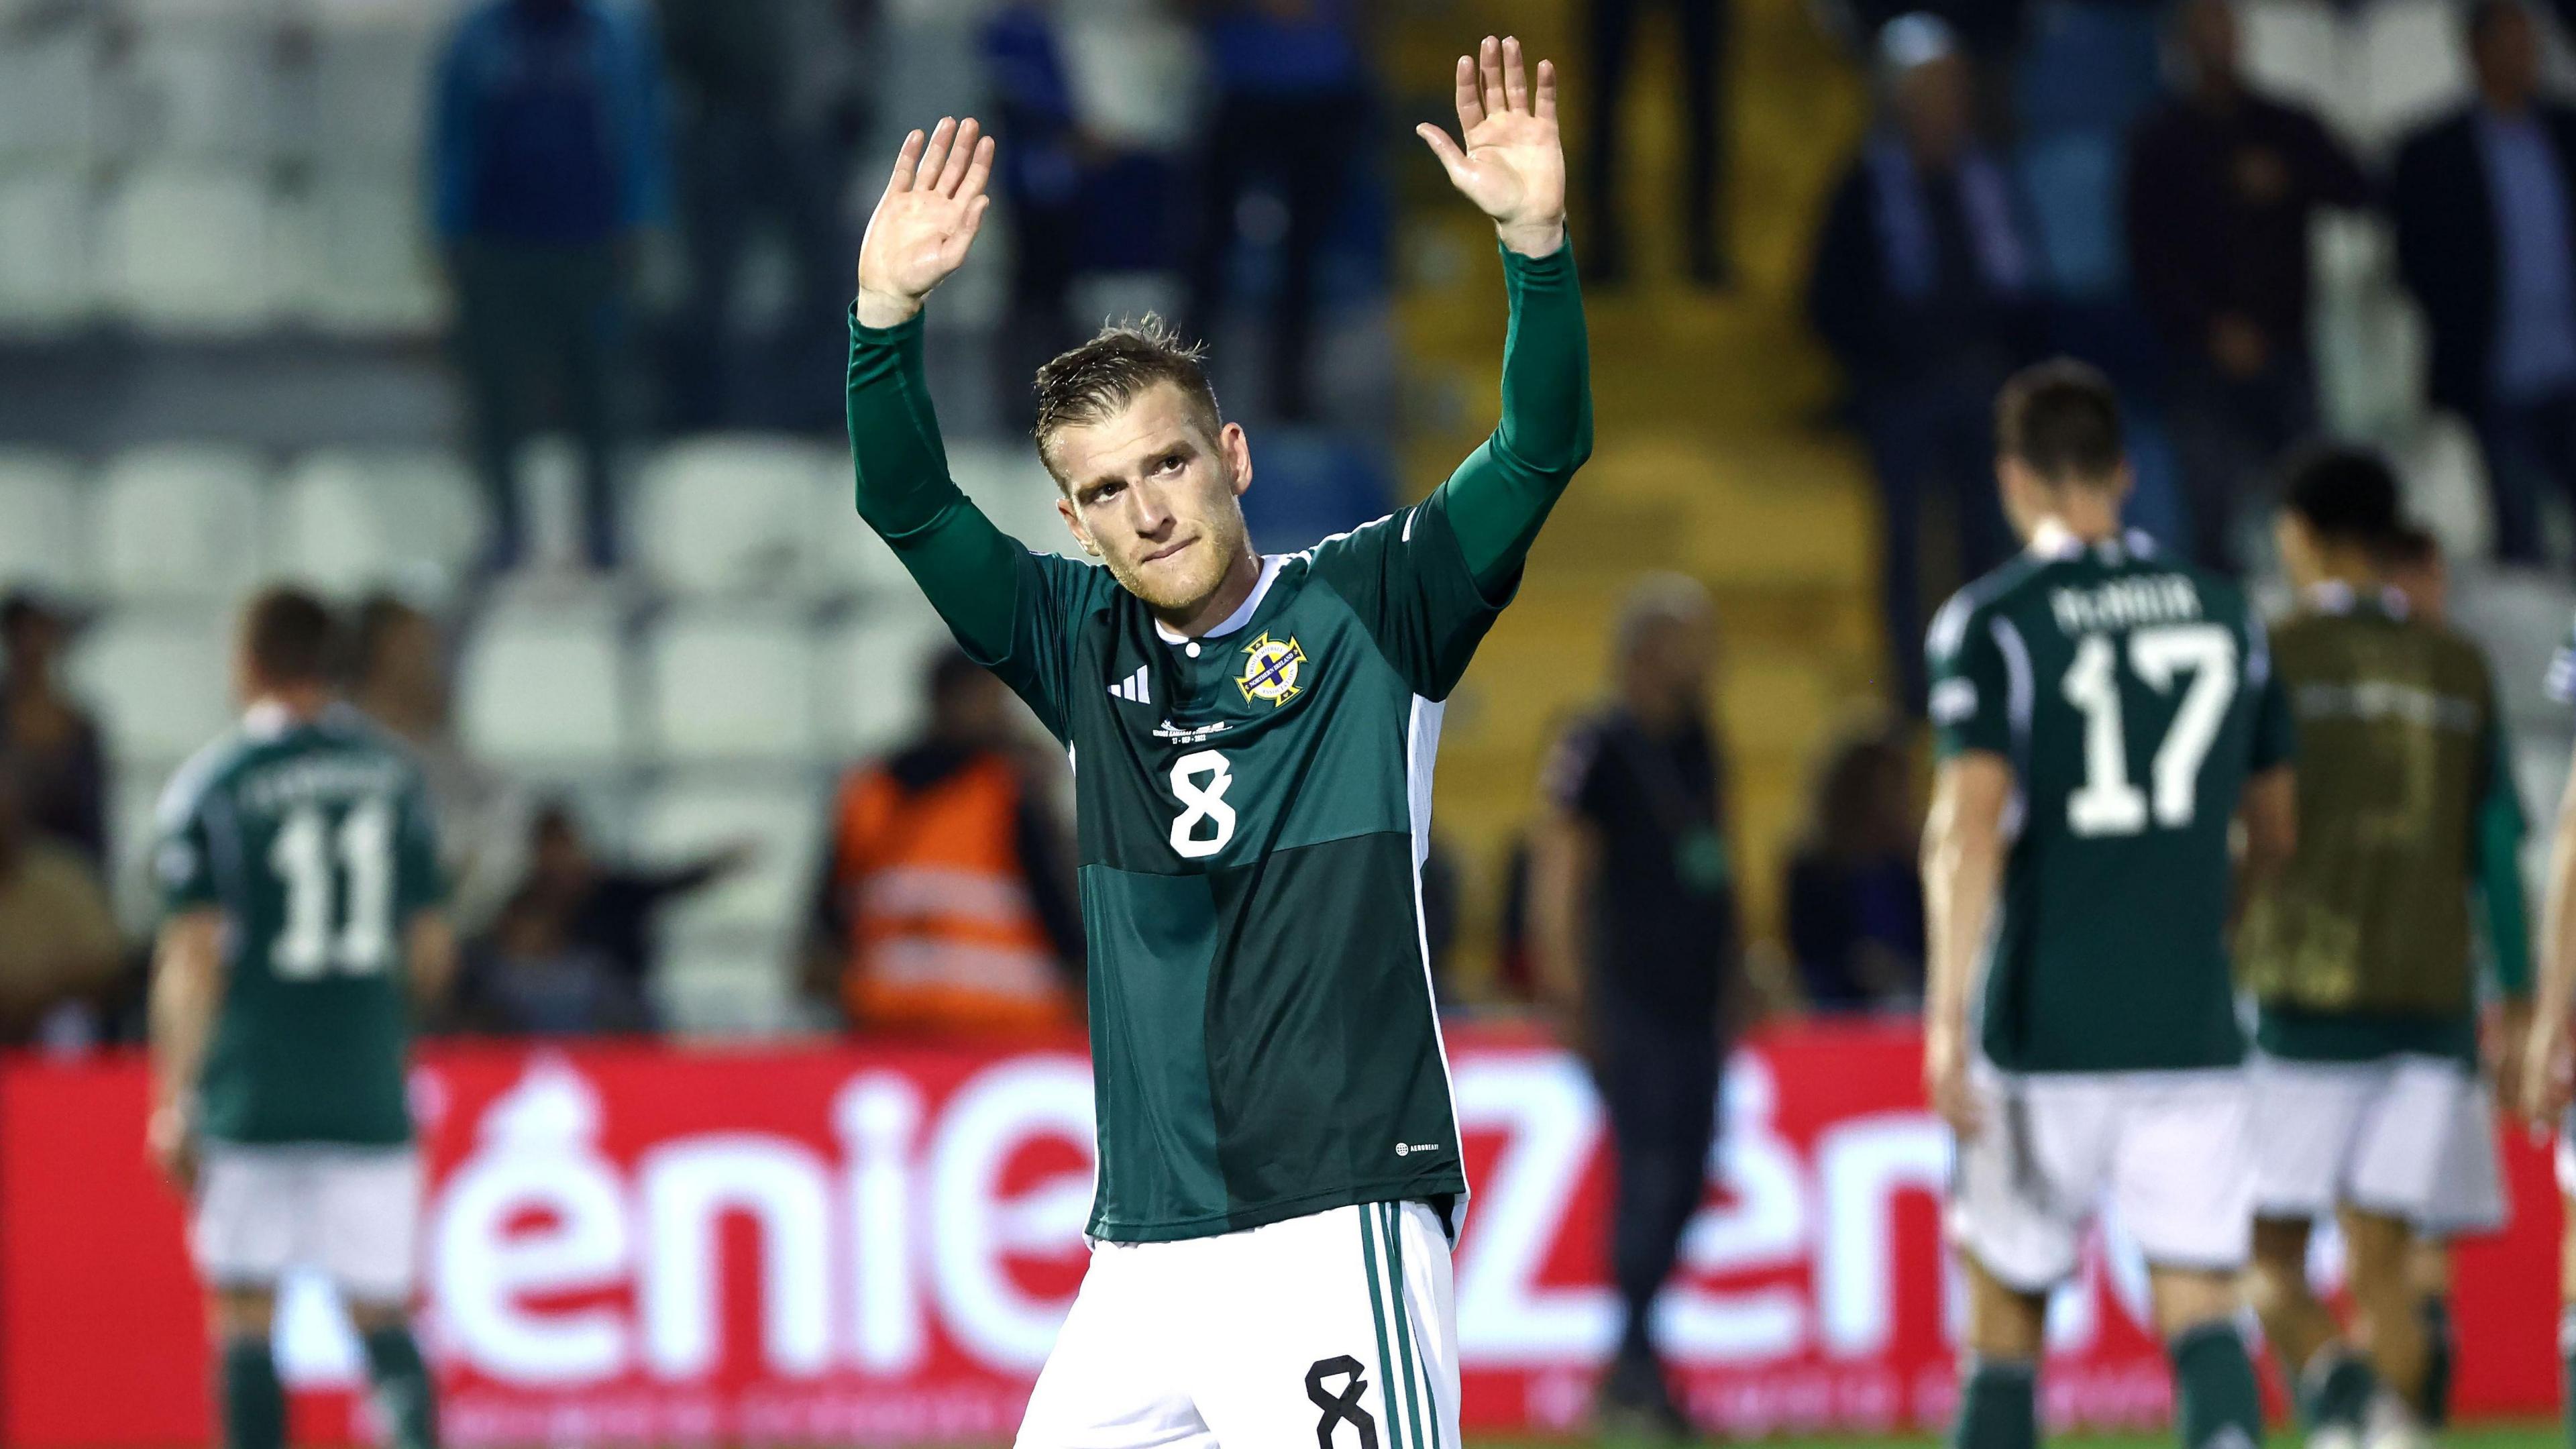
(1513, 162)
(926, 221)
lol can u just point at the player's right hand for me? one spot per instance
(1945, 1079)
(172, 1145)
(2548, 1070)
(926, 221)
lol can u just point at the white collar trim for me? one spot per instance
(1242, 614)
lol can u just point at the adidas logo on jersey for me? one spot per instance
(1133, 688)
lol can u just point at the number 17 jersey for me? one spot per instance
(1253, 807)
(2133, 696)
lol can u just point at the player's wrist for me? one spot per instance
(881, 310)
(1532, 239)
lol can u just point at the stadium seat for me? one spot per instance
(45, 231)
(848, 556)
(48, 88)
(43, 537)
(2446, 483)
(544, 689)
(868, 675)
(133, 812)
(198, 86)
(181, 522)
(2522, 618)
(782, 817)
(372, 67)
(730, 516)
(2073, 179)
(2294, 49)
(2414, 66)
(731, 684)
(726, 983)
(351, 521)
(160, 680)
(362, 237)
(187, 250)
(1008, 482)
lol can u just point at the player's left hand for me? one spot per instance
(1512, 164)
(2548, 1072)
(172, 1146)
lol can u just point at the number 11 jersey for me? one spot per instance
(313, 839)
(2133, 696)
(1254, 806)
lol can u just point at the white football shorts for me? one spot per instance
(351, 1212)
(2169, 1151)
(1331, 1331)
(2407, 1137)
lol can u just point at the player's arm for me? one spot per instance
(2549, 1074)
(2269, 813)
(934, 203)
(1963, 862)
(1564, 860)
(2495, 873)
(187, 987)
(429, 953)
(1512, 165)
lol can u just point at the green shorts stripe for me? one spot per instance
(1377, 1311)
(1403, 1322)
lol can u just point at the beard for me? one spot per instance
(1180, 584)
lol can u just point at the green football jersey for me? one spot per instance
(1254, 807)
(2133, 696)
(314, 840)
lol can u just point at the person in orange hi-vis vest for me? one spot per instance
(944, 908)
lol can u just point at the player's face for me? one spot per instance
(1157, 498)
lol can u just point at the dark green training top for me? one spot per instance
(2133, 696)
(1253, 804)
(2362, 947)
(314, 840)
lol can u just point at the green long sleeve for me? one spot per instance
(968, 568)
(1500, 496)
(2499, 876)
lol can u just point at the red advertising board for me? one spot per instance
(648, 1245)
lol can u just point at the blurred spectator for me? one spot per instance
(1042, 157)
(1855, 894)
(399, 679)
(767, 100)
(2486, 239)
(946, 905)
(530, 977)
(1700, 202)
(576, 942)
(546, 160)
(1922, 289)
(1292, 107)
(2223, 186)
(62, 767)
(1633, 923)
(59, 948)
(2415, 568)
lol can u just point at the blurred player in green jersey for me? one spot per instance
(1252, 737)
(2103, 715)
(301, 922)
(2360, 955)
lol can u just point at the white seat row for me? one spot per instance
(557, 690)
(549, 692)
(751, 517)
(208, 251)
(205, 523)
